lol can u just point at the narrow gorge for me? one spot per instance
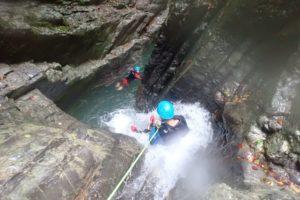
(231, 67)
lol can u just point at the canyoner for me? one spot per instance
(164, 163)
(159, 132)
(134, 74)
(168, 126)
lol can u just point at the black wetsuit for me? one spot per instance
(167, 132)
(133, 75)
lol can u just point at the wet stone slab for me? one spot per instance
(17, 79)
(47, 154)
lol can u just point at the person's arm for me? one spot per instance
(183, 123)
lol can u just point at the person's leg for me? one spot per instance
(125, 82)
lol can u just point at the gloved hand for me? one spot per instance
(154, 122)
(134, 128)
(152, 119)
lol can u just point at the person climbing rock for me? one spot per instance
(134, 74)
(169, 125)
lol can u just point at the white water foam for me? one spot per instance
(163, 165)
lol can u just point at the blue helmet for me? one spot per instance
(165, 109)
(137, 68)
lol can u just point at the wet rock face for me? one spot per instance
(269, 125)
(70, 32)
(277, 148)
(185, 23)
(48, 154)
(236, 118)
(18, 79)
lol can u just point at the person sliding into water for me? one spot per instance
(168, 127)
(134, 74)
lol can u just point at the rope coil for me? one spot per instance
(113, 193)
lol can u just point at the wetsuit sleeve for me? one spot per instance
(182, 121)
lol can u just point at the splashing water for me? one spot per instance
(163, 164)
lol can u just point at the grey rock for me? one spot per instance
(223, 191)
(274, 126)
(277, 149)
(20, 78)
(294, 176)
(269, 125)
(256, 138)
(4, 70)
(219, 98)
(294, 140)
(70, 34)
(49, 154)
(142, 4)
(263, 120)
(236, 118)
(54, 75)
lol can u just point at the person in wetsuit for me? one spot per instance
(134, 74)
(171, 125)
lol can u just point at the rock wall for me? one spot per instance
(240, 60)
(47, 154)
(70, 32)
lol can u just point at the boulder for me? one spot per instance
(269, 125)
(294, 140)
(237, 119)
(255, 138)
(277, 148)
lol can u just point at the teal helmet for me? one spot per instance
(137, 68)
(165, 110)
